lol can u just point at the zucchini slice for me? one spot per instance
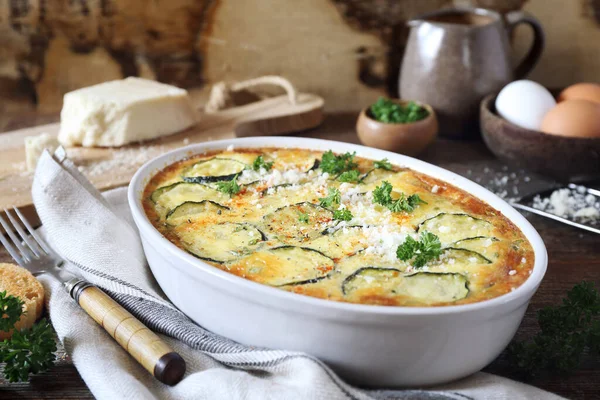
(178, 193)
(368, 277)
(213, 170)
(463, 257)
(289, 223)
(220, 243)
(453, 227)
(376, 175)
(274, 188)
(285, 265)
(426, 287)
(484, 245)
(430, 287)
(191, 209)
(343, 242)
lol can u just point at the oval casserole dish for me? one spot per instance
(377, 346)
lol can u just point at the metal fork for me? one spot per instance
(30, 251)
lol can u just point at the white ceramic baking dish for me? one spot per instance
(376, 346)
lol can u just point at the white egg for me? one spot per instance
(524, 103)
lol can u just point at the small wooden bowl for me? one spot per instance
(560, 157)
(409, 139)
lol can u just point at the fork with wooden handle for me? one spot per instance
(31, 252)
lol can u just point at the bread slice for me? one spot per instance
(19, 282)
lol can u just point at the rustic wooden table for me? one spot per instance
(574, 256)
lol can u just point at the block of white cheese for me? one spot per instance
(35, 145)
(124, 111)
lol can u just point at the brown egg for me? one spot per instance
(583, 91)
(576, 118)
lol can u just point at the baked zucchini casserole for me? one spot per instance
(338, 227)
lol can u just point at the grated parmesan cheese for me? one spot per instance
(571, 204)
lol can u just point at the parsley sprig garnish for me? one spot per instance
(420, 252)
(349, 176)
(303, 217)
(11, 309)
(229, 187)
(567, 332)
(383, 195)
(28, 351)
(342, 214)
(388, 111)
(383, 164)
(333, 197)
(334, 165)
(260, 162)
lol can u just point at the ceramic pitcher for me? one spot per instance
(455, 57)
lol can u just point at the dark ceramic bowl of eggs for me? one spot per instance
(525, 125)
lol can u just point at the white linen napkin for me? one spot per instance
(97, 236)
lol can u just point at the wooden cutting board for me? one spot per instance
(112, 167)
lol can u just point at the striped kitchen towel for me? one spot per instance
(95, 233)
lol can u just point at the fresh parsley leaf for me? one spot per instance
(334, 197)
(334, 165)
(230, 187)
(388, 111)
(11, 309)
(260, 163)
(383, 164)
(383, 195)
(303, 217)
(29, 351)
(428, 248)
(349, 176)
(342, 215)
(567, 332)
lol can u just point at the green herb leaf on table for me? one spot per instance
(388, 111)
(11, 309)
(303, 217)
(332, 198)
(259, 163)
(383, 195)
(567, 332)
(428, 248)
(334, 165)
(383, 164)
(29, 351)
(342, 214)
(349, 176)
(229, 187)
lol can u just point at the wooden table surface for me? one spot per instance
(574, 256)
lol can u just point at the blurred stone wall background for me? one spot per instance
(348, 51)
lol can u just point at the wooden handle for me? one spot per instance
(139, 341)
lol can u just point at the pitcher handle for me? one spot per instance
(515, 18)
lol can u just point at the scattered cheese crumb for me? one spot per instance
(512, 272)
(435, 189)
